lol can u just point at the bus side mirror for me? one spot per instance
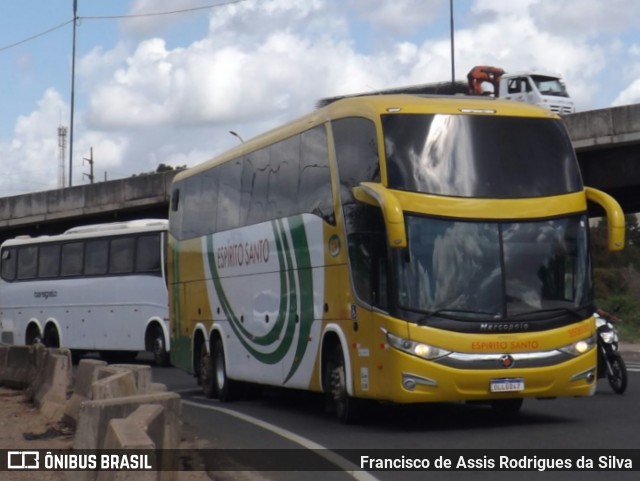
(615, 216)
(378, 195)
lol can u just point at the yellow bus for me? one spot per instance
(397, 248)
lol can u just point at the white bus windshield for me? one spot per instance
(492, 270)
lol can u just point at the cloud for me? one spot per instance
(33, 154)
(152, 98)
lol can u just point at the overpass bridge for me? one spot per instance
(607, 143)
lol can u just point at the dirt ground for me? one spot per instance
(23, 427)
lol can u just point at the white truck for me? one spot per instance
(543, 89)
(538, 88)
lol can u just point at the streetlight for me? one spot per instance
(237, 135)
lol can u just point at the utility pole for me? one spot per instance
(73, 90)
(90, 160)
(453, 68)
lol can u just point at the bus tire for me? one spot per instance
(205, 373)
(51, 337)
(338, 400)
(225, 387)
(159, 348)
(33, 335)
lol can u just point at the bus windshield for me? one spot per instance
(494, 270)
(479, 156)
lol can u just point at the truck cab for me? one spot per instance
(542, 89)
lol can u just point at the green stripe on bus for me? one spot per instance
(288, 298)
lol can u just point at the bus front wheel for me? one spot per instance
(338, 400)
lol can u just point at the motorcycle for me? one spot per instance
(610, 362)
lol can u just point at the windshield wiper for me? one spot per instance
(443, 313)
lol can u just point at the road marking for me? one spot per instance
(347, 466)
(633, 366)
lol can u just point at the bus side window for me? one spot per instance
(148, 253)
(96, 257)
(71, 259)
(27, 262)
(121, 255)
(9, 264)
(315, 193)
(49, 260)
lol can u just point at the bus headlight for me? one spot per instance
(419, 349)
(580, 347)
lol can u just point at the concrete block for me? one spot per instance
(141, 374)
(119, 384)
(20, 368)
(50, 396)
(4, 353)
(96, 414)
(86, 375)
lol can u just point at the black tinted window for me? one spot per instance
(49, 260)
(479, 156)
(71, 259)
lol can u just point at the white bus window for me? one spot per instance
(9, 264)
(95, 262)
(148, 254)
(49, 261)
(71, 259)
(27, 262)
(121, 255)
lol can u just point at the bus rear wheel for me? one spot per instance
(51, 337)
(205, 373)
(159, 348)
(225, 387)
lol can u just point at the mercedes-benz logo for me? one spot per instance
(507, 361)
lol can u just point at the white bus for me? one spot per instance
(96, 288)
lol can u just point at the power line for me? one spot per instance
(7, 47)
(156, 14)
(114, 17)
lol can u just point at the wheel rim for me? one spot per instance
(221, 376)
(158, 346)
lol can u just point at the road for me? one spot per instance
(293, 420)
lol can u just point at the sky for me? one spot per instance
(165, 81)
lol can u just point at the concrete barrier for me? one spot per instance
(20, 369)
(95, 416)
(142, 429)
(113, 383)
(141, 374)
(86, 375)
(50, 390)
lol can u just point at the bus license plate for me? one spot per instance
(507, 385)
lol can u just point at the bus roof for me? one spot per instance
(373, 106)
(95, 230)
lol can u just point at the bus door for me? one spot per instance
(368, 264)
